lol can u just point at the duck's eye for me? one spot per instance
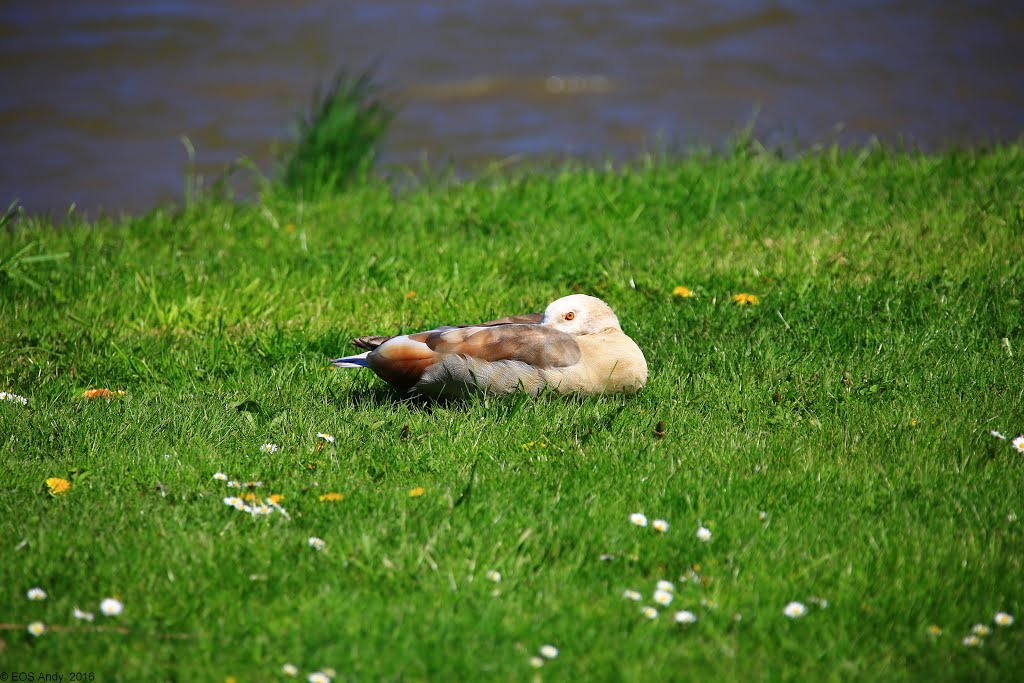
(570, 315)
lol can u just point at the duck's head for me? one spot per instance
(580, 314)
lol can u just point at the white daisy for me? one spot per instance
(536, 662)
(36, 594)
(1003, 619)
(980, 630)
(220, 476)
(7, 396)
(997, 435)
(606, 557)
(269, 448)
(84, 616)
(663, 598)
(638, 518)
(794, 610)
(316, 543)
(289, 669)
(318, 677)
(660, 525)
(649, 612)
(971, 641)
(704, 534)
(632, 595)
(548, 651)
(233, 484)
(36, 628)
(1018, 443)
(762, 516)
(233, 501)
(326, 437)
(665, 586)
(111, 607)
(684, 616)
(494, 576)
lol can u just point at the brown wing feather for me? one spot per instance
(402, 362)
(540, 347)
(524, 319)
(370, 342)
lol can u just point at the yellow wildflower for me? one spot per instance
(418, 491)
(410, 294)
(746, 300)
(682, 292)
(331, 497)
(58, 486)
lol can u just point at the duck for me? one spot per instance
(576, 346)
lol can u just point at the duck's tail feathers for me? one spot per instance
(369, 343)
(358, 361)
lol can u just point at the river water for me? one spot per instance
(96, 96)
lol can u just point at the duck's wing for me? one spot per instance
(402, 361)
(541, 347)
(371, 342)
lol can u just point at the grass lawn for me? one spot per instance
(835, 438)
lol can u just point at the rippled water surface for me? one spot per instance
(96, 96)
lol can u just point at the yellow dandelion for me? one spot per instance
(682, 292)
(935, 630)
(332, 496)
(418, 491)
(58, 486)
(410, 294)
(746, 300)
(275, 498)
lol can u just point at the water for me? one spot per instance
(96, 95)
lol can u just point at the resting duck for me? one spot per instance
(575, 346)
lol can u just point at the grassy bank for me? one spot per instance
(835, 439)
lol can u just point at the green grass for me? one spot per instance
(853, 405)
